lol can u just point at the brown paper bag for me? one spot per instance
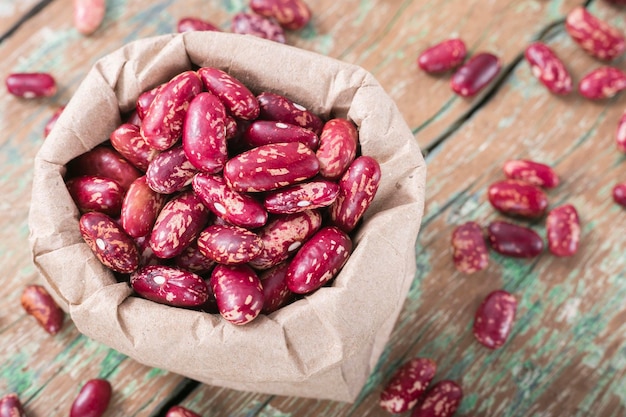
(323, 346)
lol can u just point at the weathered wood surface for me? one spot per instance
(566, 356)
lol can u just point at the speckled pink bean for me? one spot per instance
(193, 24)
(10, 406)
(229, 245)
(494, 319)
(127, 140)
(204, 133)
(548, 68)
(407, 385)
(619, 194)
(193, 260)
(319, 260)
(442, 400)
(475, 74)
(145, 99)
(283, 235)
(563, 230)
(170, 171)
(264, 132)
(146, 254)
(104, 161)
(469, 250)
(620, 136)
(290, 14)
(602, 83)
(171, 286)
(233, 207)
(140, 208)
(237, 99)
(162, 125)
(39, 304)
(443, 56)
(338, 144)
(282, 109)
(517, 198)
(88, 15)
(257, 25)
(275, 289)
(238, 292)
(532, 172)
(301, 197)
(178, 224)
(595, 36)
(92, 193)
(178, 411)
(31, 85)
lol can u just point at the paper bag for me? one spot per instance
(322, 346)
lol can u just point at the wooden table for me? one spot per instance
(567, 352)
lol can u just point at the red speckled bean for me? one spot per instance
(170, 171)
(290, 14)
(229, 245)
(595, 36)
(232, 127)
(512, 240)
(171, 286)
(204, 133)
(31, 84)
(442, 400)
(140, 208)
(233, 207)
(407, 385)
(88, 15)
(602, 83)
(237, 99)
(146, 254)
(494, 319)
(443, 56)
(10, 406)
(145, 99)
(238, 292)
(127, 140)
(192, 24)
(563, 230)
(257, 25)
(109, 242)
(548, 68)
(163, 123)
(193, 260)
(619, 194)
(357, 189)
(531, 172)
(470, 252)
(178, 224)
(93, 399)
(518, 198)
(338, 144)
(52, 121)
(264, 132)
(281, 109)
(269, 167)
(104, 161)
(475, 74)
(38, 303)
(620, 137)
(275, 290)
(91, 193)
(301, 197)
(318, 260)
(283, 235)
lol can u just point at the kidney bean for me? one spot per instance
(103, 161)
(281, 109)
(109, 242)
(91, 193)
(145, 99)
(191, 24)
(494, 319)
(238, 292)
(192, 259)
(88, 15)
(593, 35)
(620, 137)
(442, 400)
(146, 254)
(548, 68)
(512, 240)
(229, 245)
(517, 198)
(31, 84)
(52, 121)
(470, 252)
(475, 74)
(163, 122)
(140, 208)
(338, 144)
(283, 235)
(210, 306)
(443, 56)
(357, 189)
(602, 83)
(204, 133)
(233, 207)
(290, 14)
(170, 286)
(617, 2)
(257, 25)
(619, 194)
(275, 290)
(407, 385)
(563, 230)
(10, 406)
(38, 303)
(301, 197)
(93, 399)
(237, 99)
(178, 224)
(127, 140)
(170, 171)
(265, 132)
(232, 127)
(531, 172)
(269, 167)
(318, 260)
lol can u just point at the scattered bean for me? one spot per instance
(442, 400)
(257, 25)
(620, 137)
(39, 303)
(563, 230)
(88, 15)
(531, 172)
(470, 252)
(593, 35)
(31, 84)
(619, 194)
(548, 68)
(11, 406)
(512, 240)
(191, 24)
(518, 198)
(52, 121)
(407, 385)
(290, 14)
(494, 319)
(602, 83)
(93, 399)
(475, 74)
(443, 56)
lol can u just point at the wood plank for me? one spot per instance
(14, 12)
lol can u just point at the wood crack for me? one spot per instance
(29, 15)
